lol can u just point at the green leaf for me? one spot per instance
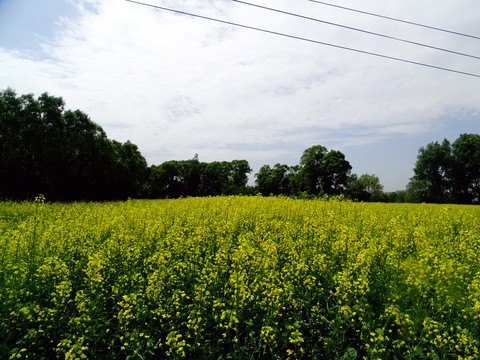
(350, 354)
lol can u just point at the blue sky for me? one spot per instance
(177, 86)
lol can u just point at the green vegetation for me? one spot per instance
(66, 156)
(239, 278)
(448, 172)
(62, 154)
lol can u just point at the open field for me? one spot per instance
(239, 277)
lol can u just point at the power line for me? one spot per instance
(395, 19)
(356, 29)
(303, 39)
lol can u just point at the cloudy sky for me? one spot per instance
(177, 85)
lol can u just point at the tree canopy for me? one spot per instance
(66, 156)
(63, 154)
(366, 187)
(323, 172)
(446, 172)
(277, 180)
(173, 178)
(320, 172)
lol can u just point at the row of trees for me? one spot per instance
(62, 154)
(319, 172)
(443, 173)
(66, 156)
(195, 178)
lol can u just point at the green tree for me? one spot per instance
(88, 161)
(263, 180)
(130, 169)
(51, 145)
(323, 172)
(447, 172)
(215, 177)
(334, 173)
(431, 181)
(193, 178)
(14, 156)
(238, 173)
(237, 177)
(190, 176)
(165, 180)
(62, 154)
(416, 191)
(311, 169)
(365, 188)
(276, 180)
(465, 170)
(33, 146)
(398, 196)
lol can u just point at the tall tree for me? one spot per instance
(465, 171)
(311, 169)
(51, 145)
(193, 178)
(323, 172)
(215, 178)
(239, 170)
(190, 176)
(84, 160)
(62, 154)
(130, 170)
(431, 170)
(238, 178)
(263, 180)
(334, 172)
(13, 169)
(165, 180)
(447, 172)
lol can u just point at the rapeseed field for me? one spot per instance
(239, 278)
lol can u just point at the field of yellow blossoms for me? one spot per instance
(239, 278)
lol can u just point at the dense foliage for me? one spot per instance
(319, 172)
(448, 172)
(45, 149)
(173, 179)
(62, 154)
(66, 156)
(239, 277)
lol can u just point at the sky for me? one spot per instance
(177, 86)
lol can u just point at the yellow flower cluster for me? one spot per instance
(239, 277)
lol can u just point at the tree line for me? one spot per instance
(320, 172)
(63, 154)
(173, 179)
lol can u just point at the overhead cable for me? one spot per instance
(356, 29)
(395, 19)
(303, 39)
